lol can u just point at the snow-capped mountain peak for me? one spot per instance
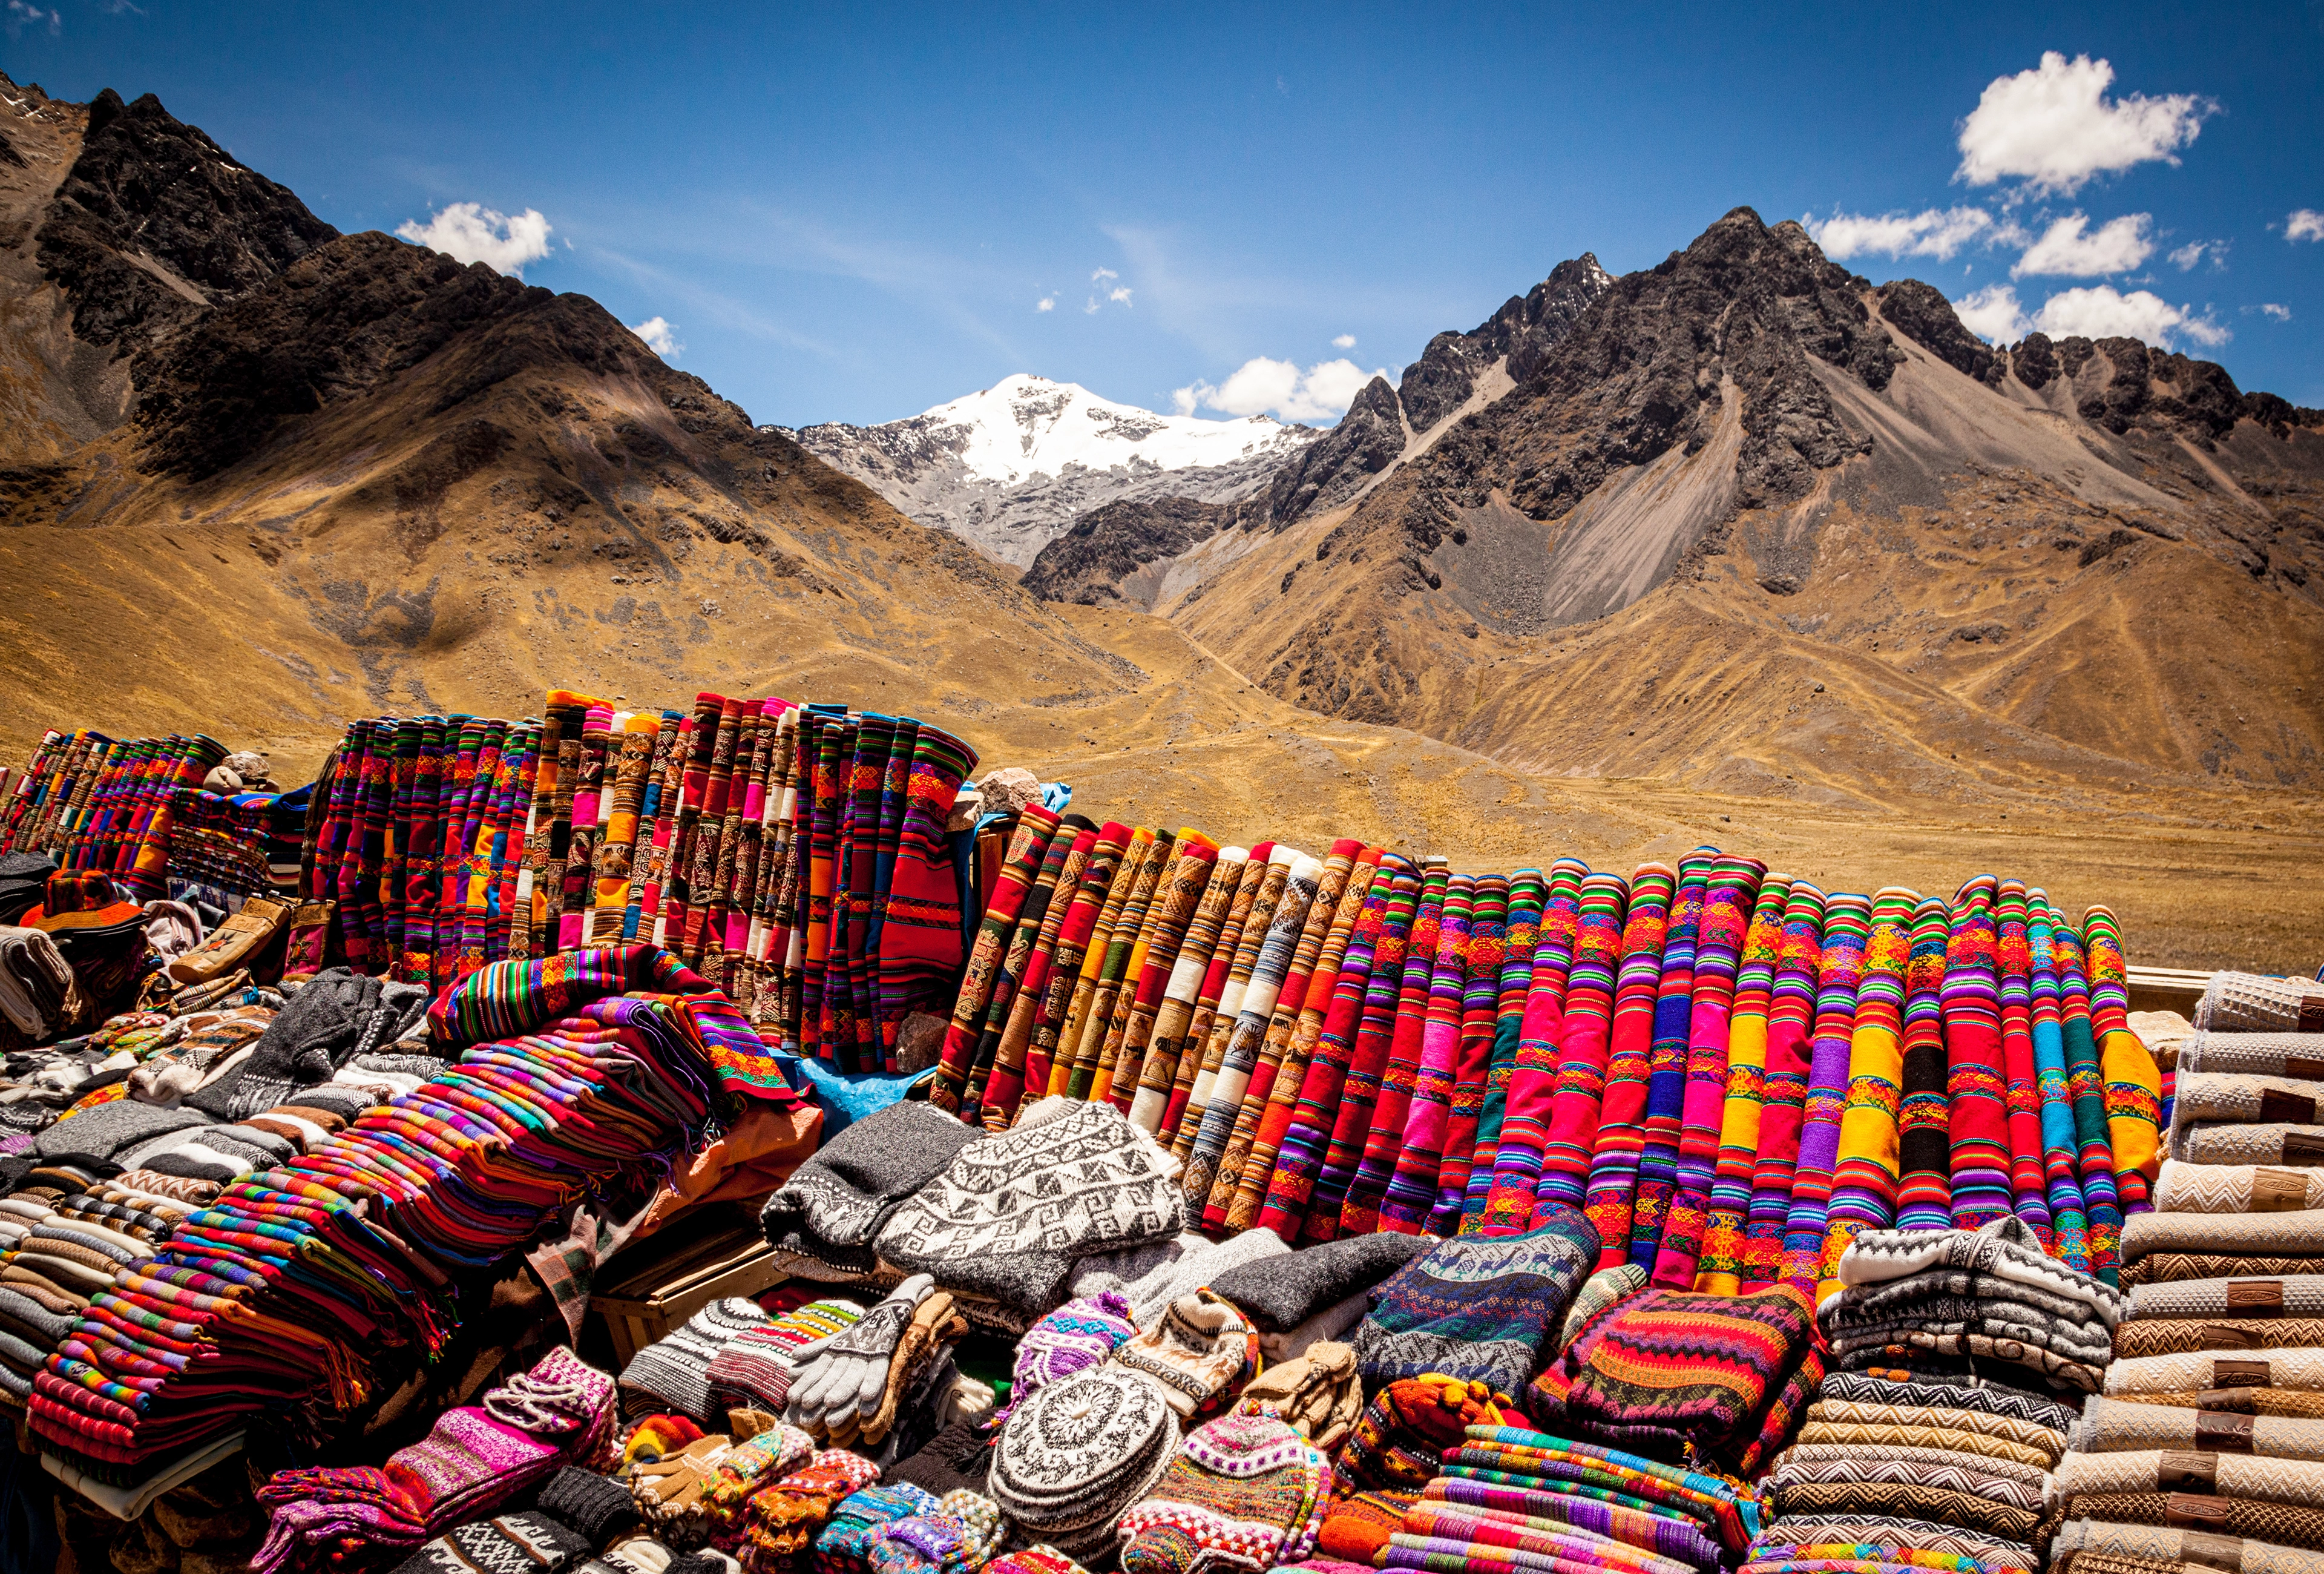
(1025, 426)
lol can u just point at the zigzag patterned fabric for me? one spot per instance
(1782, 1101)
(1665, 1106)
(1612, 1190)
(1840, 969)
(1528, 891)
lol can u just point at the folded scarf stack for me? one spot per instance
(1394, 1451)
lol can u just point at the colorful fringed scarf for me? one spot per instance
(1975, 1087)
(2014, 977)
(1784, 1092)
(1665, 1106)
(1728, 893)
(2134, 1086)
(1480, 1005)
(1612, 1186)
(1924, 1191)
(1864, 1179)
(2068, 1217)
(1839, 971)
(1720, 1269)
(1306, 1133)
(1407, 995)
(1352, 1126)
(1527, 890)
(1211, 1085)
(1574, 990)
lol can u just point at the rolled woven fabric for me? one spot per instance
(1412, 1189)
(2296, 1482)
(1720, 1268)
(2114, 1426)
(1314, 1108)
(1114, 864)
(2085, 1538)
(1189, 1009)
(1247, 1035)
(1546, 1136)
(2185, 1187)
(1864, 1178)
(2248, 1099)
(1665, 1111)
(1100, 988)
(2083, 1077)
(1436, 1532)
(2285, 1404)
(1923, 1142)
(1975, 1087)
(1322, 1000)
(2180, 1336)
(1840, 970)
(2263, 1054)
(1146, 1071)
(1263, 881)
(1020, 1065)
(2286, 1234)
(2228, 1142)
(994, 1083)
(2252, 1003)
(2069, 1216)
(1145, 923)
(2203, 1371)
(2029, 1191)
(1029, 846)
(1783, 1103)
(1528, 890)
(2134, 1084)
(1480, 1003)
(1405, 997)
(1730, 889)
(1612, 1185)
(1335, 1209)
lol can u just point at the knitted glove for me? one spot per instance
(934, 1325)
(1318, 1394)
(849, 1374)
(672, 1492)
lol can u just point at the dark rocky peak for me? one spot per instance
(1524, 331)
(340, 321)
(146, 185)
(1921, 313)
(1108, 544)
(8, 153)
(2128, 386)
(1325, 474)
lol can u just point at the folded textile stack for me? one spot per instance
(767, 844)
(298, 1285)
(559, 1414)
(1960, 1357)
(1394, 1451)
(2213, 1414)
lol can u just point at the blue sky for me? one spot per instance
(851, 213)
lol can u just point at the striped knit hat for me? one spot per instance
(1244, 1492)
(1077, 1335)
(673, 1373)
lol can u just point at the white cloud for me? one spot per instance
(1993, 314)
(22, 16)
(1119, 296)
(2187, 257)
(1103, 274)
(2305, 223)
(2068, 247)
(660, 336)
(469, 232)
(1939, 232)
(2281, 313)
(2101, 311)
(2054, 127)
(1090, 309)
(1346, 341)
(1322, 392)
(1046, 303)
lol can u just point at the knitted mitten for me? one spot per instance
(512, 1541)
(598, 1506)
(1318, 1393)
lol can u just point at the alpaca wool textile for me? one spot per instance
(2261, 1054)
(836, 1204)
(1840, 970)
(1079, 1453)
(1528, 889)
(1670, 1373)
(1610, 1191)
(1079, 934)
(1908, 1500)
(1010, 1214)
(1396, 1011)
(1857, 1388)
(996, 1074)
(2284, 1234)
(1719, 1267)
(1029, 845)
(1124, 947)
(2083, 1539)
(2185, 1187)
(1411, 1190)
(2251, 1002)
(1499, 1538)
(2110, 1426)
(2296, 1482)
(2180, 1336)
(2133, 1086)
(1149, 1067)
(1513, 1456)
(1280, 1291)
(1728, 893)
(1190, 1004)
(1076, 1058)
(1270, 873)
(1246, 1036)
(1920, 1467)
(2224, 1143)
(2004, 1249)
(1243, 1492)
(1480, 1307)
(2048, 1442)
(2174, 1267)
(1022, 1062)
(1866, 1169)
(1540, 1079)
(1077, 1335)
(1665, 1105)
(1317, 1393)
(1481, 1013)
(1199, 1353)
(1402, 1436)
(1782, 1101)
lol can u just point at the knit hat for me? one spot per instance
(1034, 1560)
(1318, 1393)
(960, 1534)
(598, 1506)
(1011, 1214)
(754, 1366)
(861, 1520)
(837, 1202)
(658, 1436)
(1077, 1335)
(673, 1373)
(1670, 1373)
(1243, 1492)
(1478, 1306)
(506, 1545)
(1079, 1453)
(1280, 1292)
(1200, 1353)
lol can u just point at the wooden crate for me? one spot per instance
(649, 1304)
(2167, 989)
